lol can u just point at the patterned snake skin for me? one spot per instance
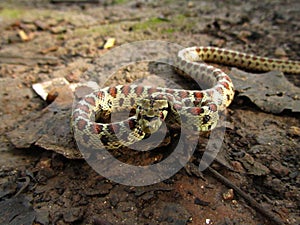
(198, 109)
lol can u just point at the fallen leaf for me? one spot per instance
(43, 89)
(24, 36)
(110, 42)
(50, 49)
(271, 91)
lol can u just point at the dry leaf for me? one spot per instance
(271, 91)
(110, 42)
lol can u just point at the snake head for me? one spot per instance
(151, 113)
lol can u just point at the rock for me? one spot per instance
(41, 25)
(278, 169)
(237, 166)
(58, 29)
(254, 167)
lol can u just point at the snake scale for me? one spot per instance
(198, 108)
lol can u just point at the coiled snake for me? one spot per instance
(198, 109)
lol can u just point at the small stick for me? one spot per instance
(271, 216)
(25, 185)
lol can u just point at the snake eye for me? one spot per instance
(206, 118)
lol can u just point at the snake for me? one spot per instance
(198, 110)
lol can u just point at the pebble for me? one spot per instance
(279, 52)
(58, 29)
(237, 166)
(228, 195)
(294, 174)
(294, 131)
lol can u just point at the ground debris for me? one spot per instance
(110, 42)
(228, 195)
(49, 128)
(253, 167)
(271, 91)
(198, 201)
(294, 131)
(16, 211)
(167, 212)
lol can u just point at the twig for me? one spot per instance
(26, 60)
(25, 185)
(271, 216)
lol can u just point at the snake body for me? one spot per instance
(198, 109)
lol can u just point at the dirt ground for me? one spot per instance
(43, 178)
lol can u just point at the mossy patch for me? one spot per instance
(165, 25)
(151, 23)
(7, 13)
(119, 1)
(169, 30)
(184, 22)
